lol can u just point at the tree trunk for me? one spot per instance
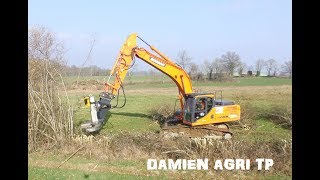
(258, 73)
(210, 75)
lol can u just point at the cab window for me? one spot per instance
(188, 109)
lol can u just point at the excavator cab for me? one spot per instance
(202, 109)
(196, 107)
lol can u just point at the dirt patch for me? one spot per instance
(96, 85)
(154, 91)
(87, 85)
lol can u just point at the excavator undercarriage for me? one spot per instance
(219, 131)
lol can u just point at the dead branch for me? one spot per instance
(71, 156)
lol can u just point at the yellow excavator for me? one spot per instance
(200, 113)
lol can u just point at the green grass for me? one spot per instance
(45, 166)
(135, 82)
(260, 81)
(57, 173)
(135, 118)
(264, 131)
(40, 173)
(254, 81)
(122, 163)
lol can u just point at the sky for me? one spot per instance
(205, 29)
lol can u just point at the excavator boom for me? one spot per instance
(160, 62)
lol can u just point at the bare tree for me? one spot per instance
(208, 68)
(275, 70)
(242, 68)
(43, 45)
(218, 66)
(193, 70)
(88, 58)
(184, 60)
(287, 67)
(217, 69)
(259, 64)
(250, 70)
(152, 73)
(230, 61)
(50, 114)
(212, 68)
(270, 65)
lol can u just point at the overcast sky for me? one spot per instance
(205, 29)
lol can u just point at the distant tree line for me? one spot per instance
(229, 64)
(220, 68)
(85, 71)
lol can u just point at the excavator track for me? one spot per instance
(219, 131)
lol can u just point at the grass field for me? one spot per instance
(258, 98)
(164, 81)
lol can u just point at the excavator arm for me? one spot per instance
(122, 65)
(124, 61)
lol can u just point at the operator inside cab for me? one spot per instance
(200, 104)
(200, 108)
